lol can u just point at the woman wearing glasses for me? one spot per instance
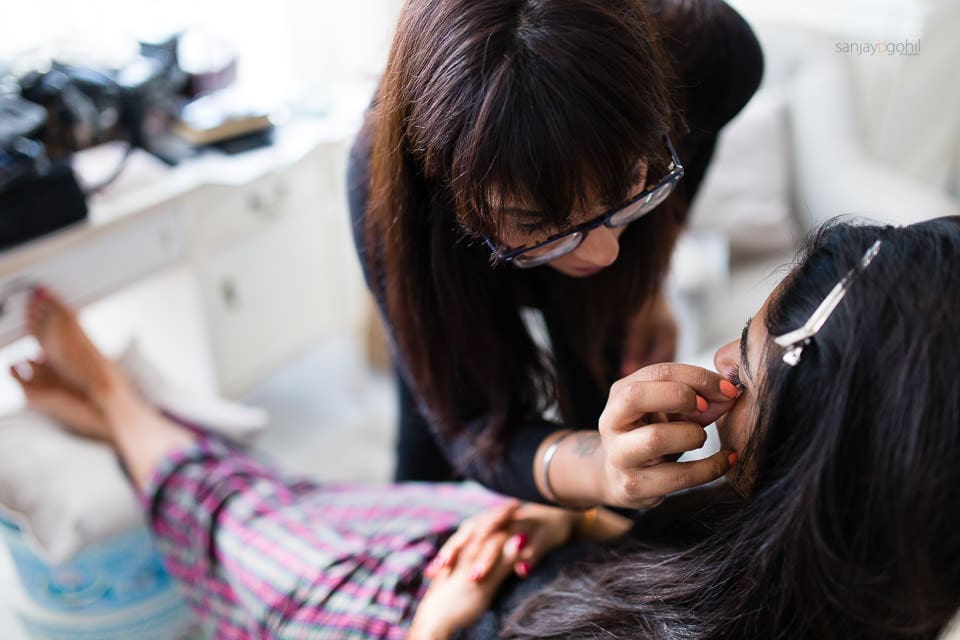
(841, 523)
(516, 193)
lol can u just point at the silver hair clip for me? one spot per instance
(796, 340)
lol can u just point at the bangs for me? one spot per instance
(552, 156)
(557, 110)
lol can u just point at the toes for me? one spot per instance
(52, 304)
(38, 312)
(43, 308)
(25, 376)
(21, 376)
(43, 373)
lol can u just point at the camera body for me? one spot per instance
(66, 108)
(87, 106)
(37, 195)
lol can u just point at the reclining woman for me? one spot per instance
(848, 487)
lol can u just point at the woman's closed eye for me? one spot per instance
(732, 375)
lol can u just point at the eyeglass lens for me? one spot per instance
(549, 251)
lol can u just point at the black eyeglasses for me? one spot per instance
(536, 254)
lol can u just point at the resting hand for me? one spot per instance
(457, 596)
(536, 529)
(651, 417)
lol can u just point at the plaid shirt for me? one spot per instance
(263, 556)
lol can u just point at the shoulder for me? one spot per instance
(717, 58)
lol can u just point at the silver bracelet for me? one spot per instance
(545, 467)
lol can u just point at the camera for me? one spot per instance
(37, 195)
(87, 106)
(53, 112)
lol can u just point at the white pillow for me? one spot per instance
(66, 493)
(747, 194)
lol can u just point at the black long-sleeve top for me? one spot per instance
(720, 64)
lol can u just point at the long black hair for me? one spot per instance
(548, 103)
(850, 527)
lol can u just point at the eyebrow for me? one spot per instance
(523, 212)
(639, 175)
(744, 363)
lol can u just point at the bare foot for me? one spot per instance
(140, 434)
(48, 393)
(67, 349)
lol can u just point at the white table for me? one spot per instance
(263, 236)
(227, 265)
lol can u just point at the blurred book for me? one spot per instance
(219, 117)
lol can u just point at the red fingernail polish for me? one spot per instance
(702, 404)
(728, 389)
(523, 569)
(521, 542)
(733, 457)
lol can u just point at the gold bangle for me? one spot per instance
(589, 518)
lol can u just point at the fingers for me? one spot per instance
(652, 483)
(488, 554)
(704, 418)
(530, 550)
(498, 556)
(631, 400)
(709, 384)
(473, 531)
(686, 392)
(500, 516)
(638, 447)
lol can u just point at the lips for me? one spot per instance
(589, 271)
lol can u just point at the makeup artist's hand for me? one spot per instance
(651, 417)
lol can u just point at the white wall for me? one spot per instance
(289, 48)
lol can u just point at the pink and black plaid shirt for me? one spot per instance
(263, 556)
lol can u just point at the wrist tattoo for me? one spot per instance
(586, 444)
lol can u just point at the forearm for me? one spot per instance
(575, 469)
(421, 629)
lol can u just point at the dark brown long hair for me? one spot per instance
(544, 102)
(850, 530)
